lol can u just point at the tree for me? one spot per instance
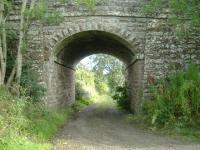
(108, 68)
(1, 48)
(5, 7)
(31, 10)
(21, 39)
(37, 11)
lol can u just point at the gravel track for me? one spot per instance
(105, 129)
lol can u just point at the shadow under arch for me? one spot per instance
(80, 45)
(72, 49)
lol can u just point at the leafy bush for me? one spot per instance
(175, 100)
(121, 97)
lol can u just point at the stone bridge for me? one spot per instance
(116, 27)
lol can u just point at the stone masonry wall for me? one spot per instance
(153, 44)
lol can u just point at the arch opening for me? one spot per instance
(71, 50)
(80, 45)
(97, 78)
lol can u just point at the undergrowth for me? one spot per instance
(176, 100)
(27, 126)
(81, 104)
(120, 96)
(174, 104)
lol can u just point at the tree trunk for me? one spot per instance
(11, 77)
(21, 43)
(2, 60)
(4, 46)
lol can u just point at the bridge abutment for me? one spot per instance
(119, 28)
(135, 85)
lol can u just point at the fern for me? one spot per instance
(175, 100)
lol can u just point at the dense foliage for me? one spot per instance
(121, 97)
(108, 69)
(85, 85)
(101, 77)
(175, 100)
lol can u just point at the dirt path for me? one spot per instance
(105, 129)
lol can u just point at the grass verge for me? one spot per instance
(25, 125)
(185, 133)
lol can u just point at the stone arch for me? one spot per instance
(69, 46)
(95, 40)
(131, 39)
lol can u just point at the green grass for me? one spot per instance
(27, 126)
(13, 141)
(192, 132)
(45, 126)
(187, 133)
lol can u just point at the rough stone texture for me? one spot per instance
(118, 28)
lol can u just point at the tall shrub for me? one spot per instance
(121, 97)
(175, 100)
